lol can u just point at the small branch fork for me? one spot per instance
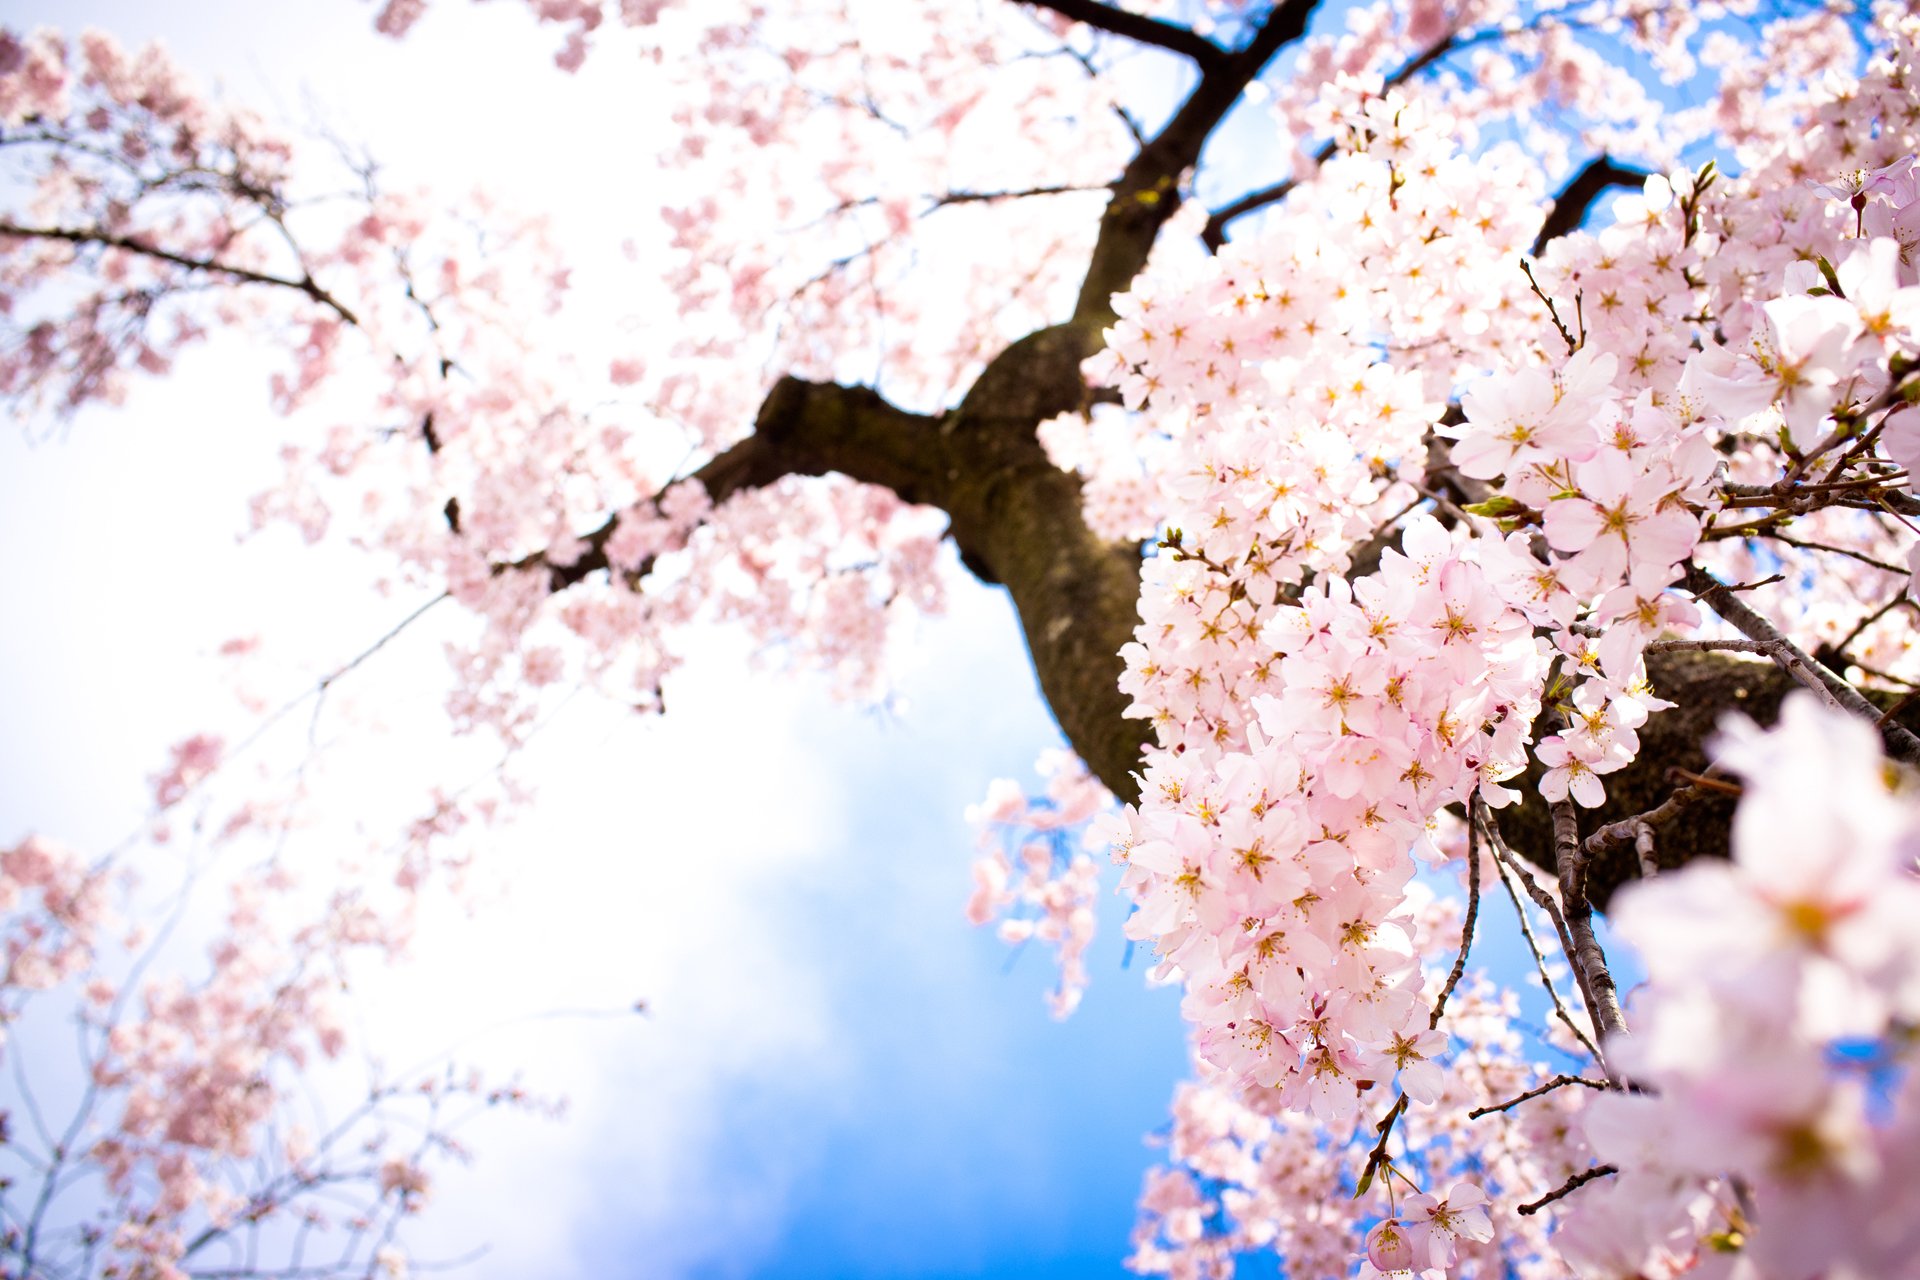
(1558, 1082)
(1639, 829)
(1553, 312)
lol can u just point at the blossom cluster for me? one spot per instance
(1030, 876)
(1328, 666)
(1773, 1126)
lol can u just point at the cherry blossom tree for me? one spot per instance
(1389, 518)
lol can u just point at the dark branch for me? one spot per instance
(1015, 517)
(1589, 961)
(1693, 822)
(1558, 1082)
(107, 240)
(1214, 234)
(803, 429)
(1138, 27)
(1473, 916)
(996, 197)
(1147, 194)
(1576, 198)
(1566, 1188)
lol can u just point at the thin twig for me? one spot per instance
(1894, 710)
(1558, 1082)
(995, 197)
(1378, 1157)
(1505, 859)
(1473, 914)
(260, 730)
(245, 275)
(1860, 627)
(1567, 1188)
(1553, 312)
(1710, 781)
(1862, 557)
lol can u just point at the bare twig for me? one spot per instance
(1553, 312)
(996, 197)
(1138, 27)
(127, 244)
(1567, 1188)
(1859, 628)
(1808, 545)
(1473, 914)
(1558, 1082)
(1506, 860)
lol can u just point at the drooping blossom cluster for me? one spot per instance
(1031, 876)
(164, 167)
(1246, 1173)
(195, 1140)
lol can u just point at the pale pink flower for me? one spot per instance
(1435, 1225)
(1390, 1247)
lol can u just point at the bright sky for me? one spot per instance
(838, 1075)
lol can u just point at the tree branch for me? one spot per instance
(1015, 517)
(107, 240)
(1473, 914)
(803, 429)
(1585, 954)
(995, 197)
(1147, 194)
(1692, 822)
(1566, 1188)
(1505, 860)
(1558, 1082)
(1576, 198)
(1139, 28)
(1713, 593)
